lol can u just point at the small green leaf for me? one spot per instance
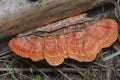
(31, 70)
(11, 71)
(85, 75)
(38, 77)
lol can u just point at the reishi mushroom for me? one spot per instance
(82, 45)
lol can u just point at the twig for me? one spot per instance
(60, 33)
(5, 52)
(35, 68)
(116, 47)
(45, 31)
(62, 73)
(59, 24)
(45, 70)
(101, 65)
(117, 8)
(111, 56)
(114, 72)
(76, 29)
(29, 78)
(108, 74)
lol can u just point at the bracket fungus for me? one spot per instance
(83, 45)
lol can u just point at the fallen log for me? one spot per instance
(18, 16)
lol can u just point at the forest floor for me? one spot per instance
(105, 67)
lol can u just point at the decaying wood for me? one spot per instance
(38, 14)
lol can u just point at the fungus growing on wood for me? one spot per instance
(83, 45)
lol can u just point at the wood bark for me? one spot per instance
(38, 14)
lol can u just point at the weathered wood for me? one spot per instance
(23, 15)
